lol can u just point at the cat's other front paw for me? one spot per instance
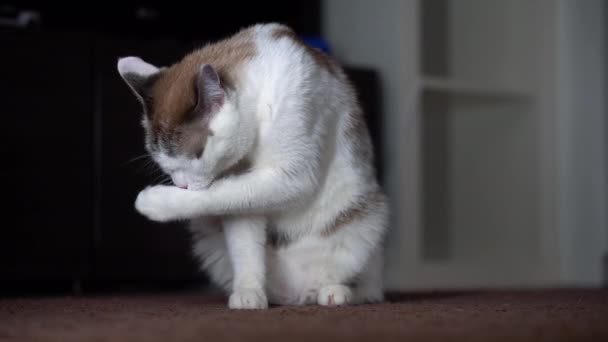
(158, 203)
(248, 299)
(335, 295)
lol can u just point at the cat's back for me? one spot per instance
(281, 52)
(256, 56)
(228, 56)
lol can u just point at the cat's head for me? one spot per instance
(193, 128)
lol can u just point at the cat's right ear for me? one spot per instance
(139, 75)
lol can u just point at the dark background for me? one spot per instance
(71, 129)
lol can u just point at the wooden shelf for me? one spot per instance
(473, 89)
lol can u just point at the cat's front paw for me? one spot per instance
(248, 299)
(159, 203)
(334, 295)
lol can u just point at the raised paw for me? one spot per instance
(334, 295)
(244, 299)
(161, 203)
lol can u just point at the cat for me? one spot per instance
(272, 164)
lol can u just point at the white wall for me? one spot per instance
(580, 118)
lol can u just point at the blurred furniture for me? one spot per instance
(512, 128)
(72, 131)
(481, 172)
(496, 137)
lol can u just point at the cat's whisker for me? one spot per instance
(160, 177)
(145, 155)
(148, 167)
(167, 181)
(151, 169)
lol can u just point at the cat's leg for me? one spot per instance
(352, 255)
(343, 282)
(367, 287)
(254, 193)
(246, 241)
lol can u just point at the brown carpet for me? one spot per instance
(554, 315)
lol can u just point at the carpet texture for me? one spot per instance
(552, 315)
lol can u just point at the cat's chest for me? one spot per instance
(264, 150)
(264, 108)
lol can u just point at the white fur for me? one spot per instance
(289, 118)
(245, 238)
(135, 65)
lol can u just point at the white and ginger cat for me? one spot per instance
(271, 159)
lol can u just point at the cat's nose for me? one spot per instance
(179, 180)
(180, 184)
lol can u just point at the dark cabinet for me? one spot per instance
(71, 131)
(47, 164)
(127, 245)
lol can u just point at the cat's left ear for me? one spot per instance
(139, 75)
(209, 90)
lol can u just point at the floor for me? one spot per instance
(552, 315)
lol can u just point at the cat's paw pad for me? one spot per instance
(334, 295)
(248, 299)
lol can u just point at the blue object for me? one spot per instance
(317, 42)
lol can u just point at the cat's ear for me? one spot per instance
(209, 90)
(139, 75)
